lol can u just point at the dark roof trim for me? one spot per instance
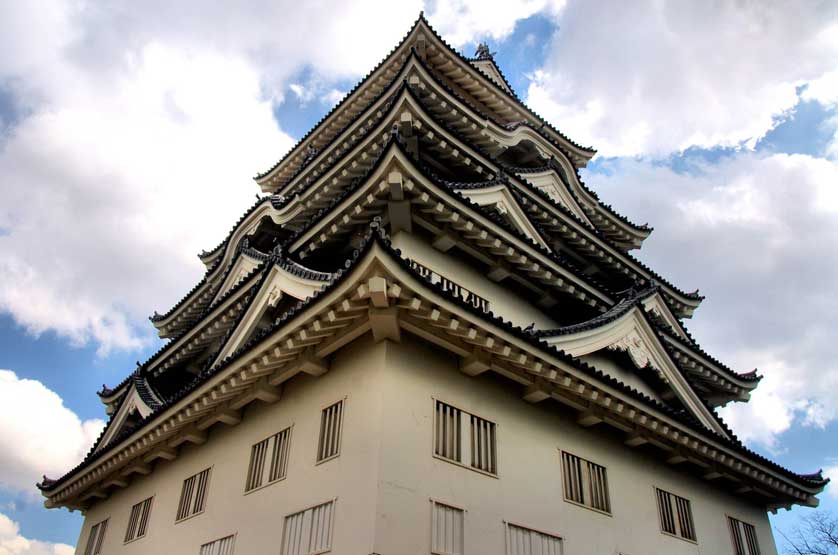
(377, 237)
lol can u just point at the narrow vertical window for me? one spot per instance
(676, 516)
(483, 446)
(744, 537)
(331, 419)
(524, 541)
(446, 529)
(95, 539)
(585, 483)
(475, 446)
(309, 532)
(193, 495)
(138, 521)
(447, 429)
(268, 460)
(223, 546)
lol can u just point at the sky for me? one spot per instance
(130, 133)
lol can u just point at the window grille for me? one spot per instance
(744, 537)
(447, 529)
(330, 429)
(95, 539)
(676, 516)
(268, 460)
(224, 546)
(193, 496)
(449, 436)
(309, 532)
(138, 521)
(524, 541)
(585, 482)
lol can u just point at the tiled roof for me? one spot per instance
(377, 236)
(464, 59)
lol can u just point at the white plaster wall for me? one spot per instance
(257, 518)
(528, 489)
(503, 302)
(386, 474)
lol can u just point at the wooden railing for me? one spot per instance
(452, 287)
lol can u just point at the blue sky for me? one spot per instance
(124, 155)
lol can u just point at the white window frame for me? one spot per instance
(586, 461)
(232, 548)
(730, 520)
(266, 462)
(466, 449)
(678, 532)
(136, 527)
(206, 496)
(508, 523)
(95, 537)
(344, 402)
(434, 503)
(334, 503)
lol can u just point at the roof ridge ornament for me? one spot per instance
(483, 52)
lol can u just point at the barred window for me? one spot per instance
(676, 516)
(223, 546)
(524, 541)
(449, 436)
(96, 537)
(585, 482)
(447, 529)
(744, 537)
(193, 496)
(268, 460)
(138, 521)
(309, 532)
(331, 420)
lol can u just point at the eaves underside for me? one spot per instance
(518, 353)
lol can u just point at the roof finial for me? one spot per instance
(483, 52)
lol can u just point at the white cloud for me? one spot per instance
(39, 435)
(136, 137)
(463, 21)
(831, 472)
(757, 234)
(12, 543)
(652, 78)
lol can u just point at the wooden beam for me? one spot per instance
(136, 468)
(444, 241)
(378, 291)
(635, 440)
(589, 418)
(117, 482)
(400, 216)
(312, 364)
(499, 272)
(384, 323)
(227, 416)
(476, 363)
(165, 453)
(535, 394)
(191, 435)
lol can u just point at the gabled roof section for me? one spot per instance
(284, 278)
(500, 200)
(281, 210)
(626, 328)
(137, 403)
(715, 383)
(608, 221)
(375, 292)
